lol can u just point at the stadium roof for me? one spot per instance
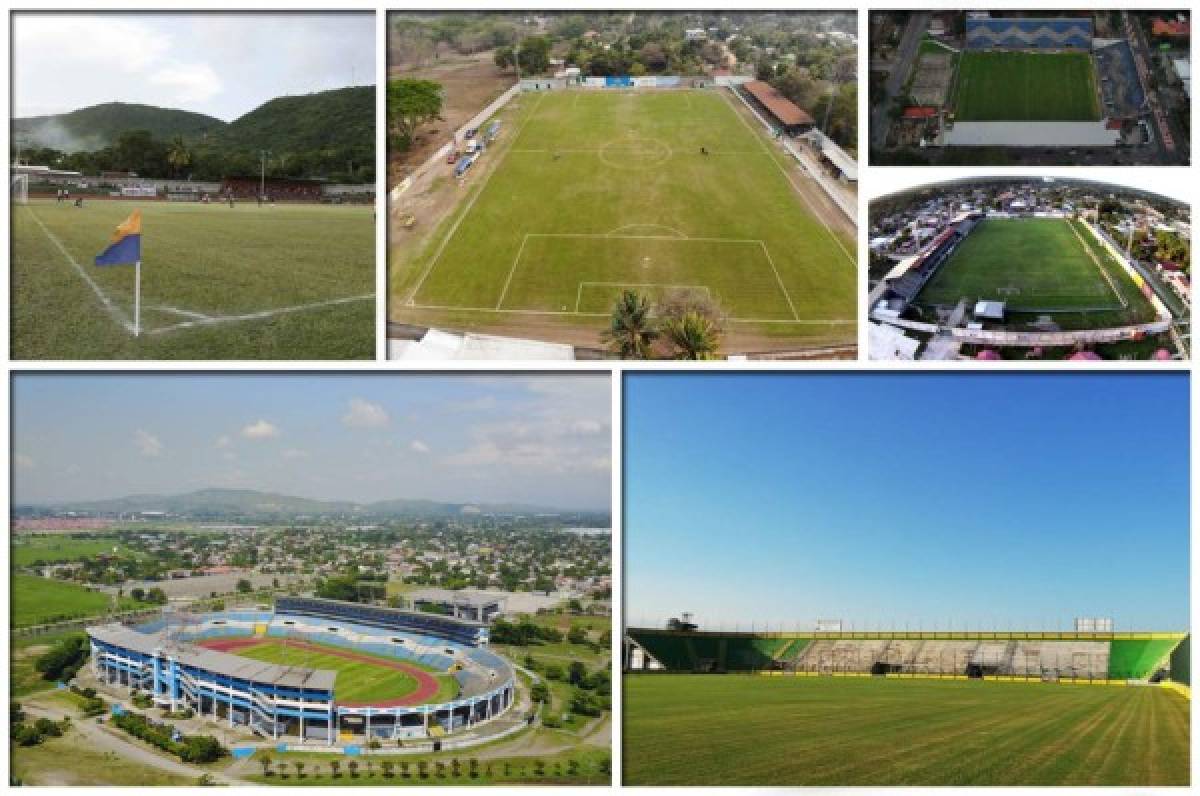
(213, 661)
(1030, 134)
(477, 599)
(782, 108)
(990, 309)
(920, 112)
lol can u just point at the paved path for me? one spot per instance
(100, 736)
(910, 44)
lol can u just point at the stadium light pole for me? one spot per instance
(262, 185)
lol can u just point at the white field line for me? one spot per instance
(178, 311)
(493, 310)
(467, 210)
(579, 293)
(212, 320)
(117, 314)
(511, 271)
(678, 234)
(786, 176)
(778, 279)
(1096, 262)
(610, 236)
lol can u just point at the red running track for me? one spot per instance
(427, 684)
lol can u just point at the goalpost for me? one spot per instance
(19, 189)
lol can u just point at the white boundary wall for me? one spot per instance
(1139, 281)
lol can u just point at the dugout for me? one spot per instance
(786, 115)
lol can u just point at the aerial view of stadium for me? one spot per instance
(986, 623)
(263, 633)
(636, 189)
(1048, 87)
(231, 218)
(1008, 268)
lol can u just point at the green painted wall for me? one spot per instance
(1181, 662)
(1137, 659)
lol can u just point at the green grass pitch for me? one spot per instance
(29, 549)
(599, 192)
(199, 261)
(1037, 265)
(1026, 86)
(751, 730)
(357, 681)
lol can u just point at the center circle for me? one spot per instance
(635, 153)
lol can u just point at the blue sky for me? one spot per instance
(907, 500)
(221, 64)
(512, 438)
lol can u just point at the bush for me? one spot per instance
(24, 735)
(64, 659)
(93, 707)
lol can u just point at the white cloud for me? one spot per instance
(364, 414)
(260, 429)
(189, 83)
(24, 461)
(587, 427)
(417, 446)
(223, 441)
(147, 443)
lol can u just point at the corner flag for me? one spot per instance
(126, 246)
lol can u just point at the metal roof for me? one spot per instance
(782, 108)
(222, 663)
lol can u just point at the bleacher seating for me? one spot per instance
(1011, 33)
(442, 627)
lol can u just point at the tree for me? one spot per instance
(632, 329)
(692, 337)
(64, 659)
(534, 55)
(156, 596)
(576, 673)
(138, 594)
(266, 764)
(178, 155)
(299, 769)
(353, 766)
(244, 586)
(505, 58)
(577, 635)
(389, 768)
(335, 766)
(410, 104)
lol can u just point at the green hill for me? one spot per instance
(343, 119)
(89, 129)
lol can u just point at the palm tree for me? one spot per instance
(282, 770)
(178, 156)
(389, 768)
(353, 766)
(335, 766)
(299, 769)
(692, 336)
(266, 764)
(631, 330)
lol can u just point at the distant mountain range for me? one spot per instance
(250, 503)
(340, 118)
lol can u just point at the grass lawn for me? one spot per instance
(23, 652)
(37, 600)
(1037, 265)
(598, 192)
(357, 681)
(749, 730)
(27, 550)
(70, 760)
(199, 261)
(1026, 86)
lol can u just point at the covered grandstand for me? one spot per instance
(180, 662)
(1028, 33)
(1045, 656)
(789, 116)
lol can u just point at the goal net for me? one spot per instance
(19, 189)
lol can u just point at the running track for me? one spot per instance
(427, 684)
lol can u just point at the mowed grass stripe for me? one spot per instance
(594, 163)
(734, 730)
(1026, 86)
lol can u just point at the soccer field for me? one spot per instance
(753, 730)
(1026, 86)
(600, 192)
(362, 678)
(282, 282)
(1046, 265)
